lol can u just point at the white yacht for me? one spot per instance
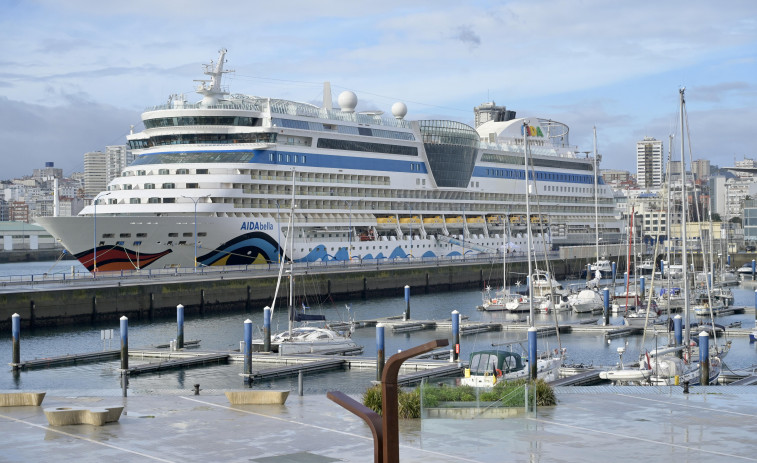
(211, 179)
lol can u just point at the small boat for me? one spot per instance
(586, 301)
(489, 367)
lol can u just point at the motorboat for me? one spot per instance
(489, 367)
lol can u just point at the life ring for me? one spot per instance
(520, 299)
(499, 373)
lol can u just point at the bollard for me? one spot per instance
(124, 384)
(197, 389)
(456, 335)
(642, 284)
(662, 268)
(267, 329)
(606, 305)
(709, 279)
(588, 272)
(299, 383)
(532, 352)
(379, 351)
(124, 343)
(685, 387)
(16, 333)
(407, 302)
(625, 278)
(179, 326)
(247, 349)
(614, 271)
(754, 268)
(704, 358)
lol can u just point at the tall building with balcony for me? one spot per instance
(701, 169)
(649, 168)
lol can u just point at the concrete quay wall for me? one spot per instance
(51, 307)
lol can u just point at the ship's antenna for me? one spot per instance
(211, 89)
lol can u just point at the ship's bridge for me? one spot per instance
(451, 148)
(542, 132)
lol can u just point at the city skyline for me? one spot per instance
(77, 75)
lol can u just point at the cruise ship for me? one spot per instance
(231, 178)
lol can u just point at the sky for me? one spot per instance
(76, 75)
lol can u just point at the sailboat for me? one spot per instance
(499, 300)
(676, 363)
(304, 339)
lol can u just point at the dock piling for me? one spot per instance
(247, 349)
(643, 285)
(124, 343)
(267, 329)
(678, 329)
(379, 351)
(16, 333)
(299, 383)
(532, 352)
(456, 335)
(704, 358)
(407, 302)
(179, 326)
(606, 305)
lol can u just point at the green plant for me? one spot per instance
(372, 398)
(409, 404)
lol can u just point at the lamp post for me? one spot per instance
(465, 227)
(195, 200)
(94, 233)
(349, 236)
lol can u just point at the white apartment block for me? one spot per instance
(649, 167)
(100, 168)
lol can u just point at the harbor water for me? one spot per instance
(225, 331)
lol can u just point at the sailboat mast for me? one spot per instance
(668, 217)
(528, 226)
(684, 210)
(291, 259)
(596, 195)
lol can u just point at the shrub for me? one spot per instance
(372, 398)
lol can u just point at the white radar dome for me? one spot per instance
(399, 110)
(347, 101)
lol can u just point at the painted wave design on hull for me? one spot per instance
(319, 253)
(250, 248)
(116, 258)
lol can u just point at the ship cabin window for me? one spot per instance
(149, 186)
(141, 235)
(182, 171)
(153, 200)
(169, 200)
(162, 171)
(201, 171)
(173, 235)
(193, 185)
(135, 201)
(169, 186)
(303, 159)
(112, 201)
(137, 243)
(202, 234)
(141, 172)
(108, 235)
(125, 235)
(187, 234)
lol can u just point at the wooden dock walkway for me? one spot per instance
(71, 359)
(292, 370)
(195, 360)
(580, 379)
(453, 369)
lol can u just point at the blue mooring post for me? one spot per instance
(532, 352)
(709, 279)
(247, 350)
(124, 343)
(678, 329)
(754, 268)
(407, 302)
(642, 283)
(267, 329)
(456, 335)
(379, 351)
(614, 271)
(606, 305)
(728, 259)
(625, 278)
(704, 358)
(16, 333)
(179, 326)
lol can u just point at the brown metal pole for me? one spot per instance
(371, 418)
(389, 390)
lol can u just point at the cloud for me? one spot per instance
(466, 35)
